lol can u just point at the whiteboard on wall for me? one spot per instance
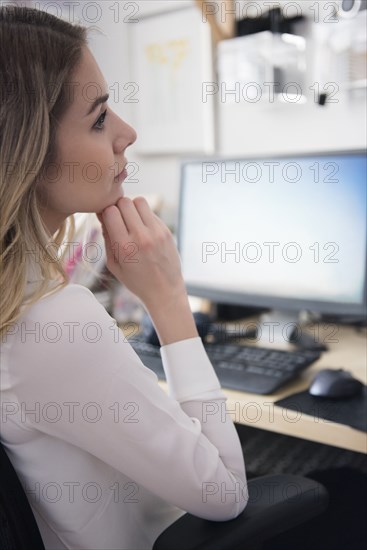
(171, 64)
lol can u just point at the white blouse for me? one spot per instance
(108, 459)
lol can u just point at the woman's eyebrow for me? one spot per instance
(96, 102)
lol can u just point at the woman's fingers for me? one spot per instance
(114, 224)
(134, 213)
(146, 214)
(130, 214)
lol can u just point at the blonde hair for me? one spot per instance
(38, 53)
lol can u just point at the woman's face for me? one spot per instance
(91, 148)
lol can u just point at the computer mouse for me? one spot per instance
(335, 383)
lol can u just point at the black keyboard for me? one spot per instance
(244, 368)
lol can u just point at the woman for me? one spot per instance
(107, 458)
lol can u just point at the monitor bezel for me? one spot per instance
(218, 295)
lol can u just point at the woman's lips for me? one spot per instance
(121, 176)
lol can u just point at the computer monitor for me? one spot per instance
(282, 232)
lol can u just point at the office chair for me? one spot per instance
(277, 503)
(18, 527)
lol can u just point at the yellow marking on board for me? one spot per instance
(173, 53)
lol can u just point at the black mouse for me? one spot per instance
(335, 383)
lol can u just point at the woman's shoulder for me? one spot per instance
(71, 291)
(67, 315)
(71, 300)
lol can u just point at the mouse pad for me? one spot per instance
(351, 411)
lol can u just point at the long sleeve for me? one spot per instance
(77, 379)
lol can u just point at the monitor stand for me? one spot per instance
(279, 327)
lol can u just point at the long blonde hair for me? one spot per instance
(38, 53)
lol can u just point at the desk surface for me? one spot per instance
(348, 350)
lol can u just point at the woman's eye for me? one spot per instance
(99, 124)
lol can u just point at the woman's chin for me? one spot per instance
(116, 196)
(119, 191)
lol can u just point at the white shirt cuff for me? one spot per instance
(188, 370)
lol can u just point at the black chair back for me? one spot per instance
(18, 527)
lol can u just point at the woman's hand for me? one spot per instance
(141, 252)
(142, 255)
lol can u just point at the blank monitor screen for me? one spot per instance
(280, 232)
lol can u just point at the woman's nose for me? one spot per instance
(127, 136)
(133, 135)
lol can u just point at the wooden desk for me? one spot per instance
(349, 351)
